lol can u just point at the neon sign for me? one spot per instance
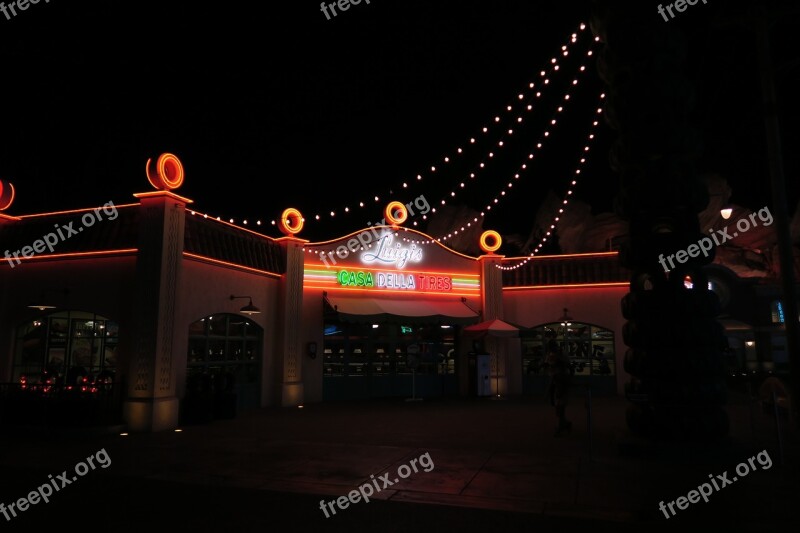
(394, 280)
(372, 280)
(355, 279)
(388, 254)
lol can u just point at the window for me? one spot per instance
(366, 350)
(227, 344)
(65, 340)
(590, 348)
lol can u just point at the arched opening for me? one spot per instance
(590, 349)
(224, 359)
(63, 342)
(64, 371)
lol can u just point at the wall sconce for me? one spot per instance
(726, 212)
(749, 344)
(566, 320)
(43, 304)
(248, 309)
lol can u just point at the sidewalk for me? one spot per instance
(497, 455)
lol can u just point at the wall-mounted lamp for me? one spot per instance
(726, 212)
(248, 309)
(43, 304)
(566, 320)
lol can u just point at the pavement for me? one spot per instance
(493, 464)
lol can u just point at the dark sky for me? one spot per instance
(338, 111)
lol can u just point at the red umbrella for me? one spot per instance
(493, 328)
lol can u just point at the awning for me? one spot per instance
(734, 325)
(492, 328)
(408, 311)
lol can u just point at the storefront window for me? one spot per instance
(65, 340)
(388, 349)
(590, 348)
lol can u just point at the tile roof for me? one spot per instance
(105, 234)
(205, 237)
(209, 238)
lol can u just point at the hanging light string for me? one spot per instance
(554, 66)
(562, 105)
(570, 190)
(320, 250)
(316, 249)
(505, 190)
(229, 222)
(525, 106)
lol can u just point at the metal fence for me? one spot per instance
(50, 406)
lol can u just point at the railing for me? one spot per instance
(46, 405)
(567, 270)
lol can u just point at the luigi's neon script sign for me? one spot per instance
(386, 252)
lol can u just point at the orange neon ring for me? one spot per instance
(6, 195)
(389, 212)
(291, 221)
(498, 241)
(168, 172)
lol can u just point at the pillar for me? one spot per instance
(7, 325)
(151, 402)
(492, 308)
(290, 313)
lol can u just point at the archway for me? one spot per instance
(224, 351)
(590, 349)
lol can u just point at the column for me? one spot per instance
(290, 313)
(492, 308)
(151, 402)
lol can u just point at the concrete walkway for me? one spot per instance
(497, 455)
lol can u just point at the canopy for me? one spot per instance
(492, 328)
(418, 311)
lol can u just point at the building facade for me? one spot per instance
(164, 302)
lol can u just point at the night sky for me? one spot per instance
(339, 111)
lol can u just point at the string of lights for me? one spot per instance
(570, 190)
(524, 103)
(526, 106)
(320, 250)
(524, 167)
(553, 120)
(522, 171)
